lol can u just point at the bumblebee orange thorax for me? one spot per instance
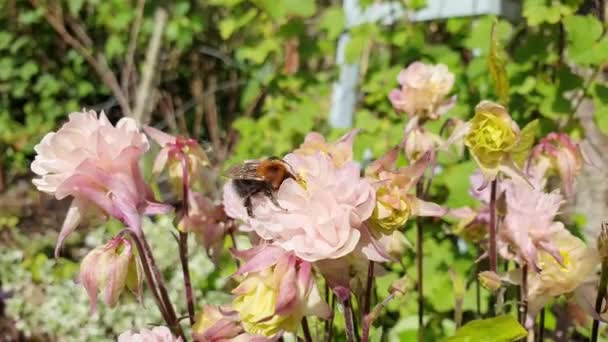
(273, 171)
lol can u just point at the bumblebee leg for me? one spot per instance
(249, 206)
(268, 192)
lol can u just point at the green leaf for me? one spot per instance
(520, 152)
(548, 11)
(496, 329)
(332, 21)
(587, 43)
(497, 61)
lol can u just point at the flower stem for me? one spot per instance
(329, 324)
(419, 264)
(601, 294)
(175, 326)
(492, 227)
(183, 242)
(183, 256)
(541, 325)
(524, 294)
(368, 289)
(348, 320)
(306, 330)
(154, 281)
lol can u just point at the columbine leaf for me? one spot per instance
(497, 329)
(497, 60)
(520, 152)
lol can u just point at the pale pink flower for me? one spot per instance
(423, 91)
(340, 151)
(528, 224)
(558, 153)
(323, 210)
(110, 269)
(156, 334)
(275, 292)
(97, 164)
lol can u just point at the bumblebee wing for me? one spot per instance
(246, 170)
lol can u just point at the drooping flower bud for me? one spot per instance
(602, 242)
(417, 141)
(277, 290)
(490, 280)
(398, 245)
(174, 154)
(216, 323)
(108, 269)
(564, 158)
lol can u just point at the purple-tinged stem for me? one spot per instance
(541, 325)
(183, 243)
(183, 256)
(306, 330)
(164, 295)
(329, 324)
(601, 294)
(149, 267)
(419, 265)
(348, 320)
(524, 293)
(492, 227)
(367, 302)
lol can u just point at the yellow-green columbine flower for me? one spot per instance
(492, 135)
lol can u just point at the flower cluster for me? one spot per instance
(315, 217)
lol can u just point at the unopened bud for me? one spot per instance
(399, 286)
(490, 280)
(109, 269)
(602, 242)
(398, 245)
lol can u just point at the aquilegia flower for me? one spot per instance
(110, 269)
(395, 202)
(528, 224)
(156, 334)
(423, 91)
(321, 212)
(97, 164)
(340, 151)
(555, 278)
(275, 291)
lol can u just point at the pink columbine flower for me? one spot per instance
(97, 164)
(110, 269)
(174, 154)
(528, 224)
(321, 213)
(276, 290)
(558, 152)
(156, 334)
(423, 90)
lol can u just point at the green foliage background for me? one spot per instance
(554, 53)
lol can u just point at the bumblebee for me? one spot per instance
(259, 176)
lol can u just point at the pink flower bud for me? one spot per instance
(174, 154)
(565, 158)
(108, 269)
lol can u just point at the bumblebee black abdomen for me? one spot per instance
(248, 187)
